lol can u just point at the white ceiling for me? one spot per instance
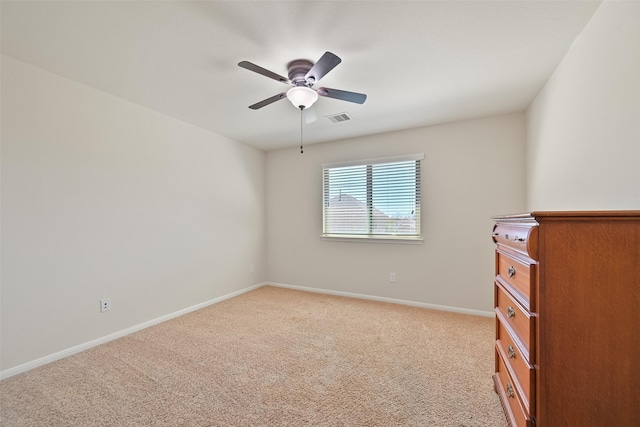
(419, 62)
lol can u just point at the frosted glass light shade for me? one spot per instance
(302, 96)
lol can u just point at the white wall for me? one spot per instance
(103, 198)
(583, 148)
(472, 171)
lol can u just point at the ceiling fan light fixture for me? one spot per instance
(302, 96)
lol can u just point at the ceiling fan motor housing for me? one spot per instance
(298, 69)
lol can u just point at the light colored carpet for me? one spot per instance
(274, 357)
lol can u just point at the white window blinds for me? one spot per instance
(377, 198)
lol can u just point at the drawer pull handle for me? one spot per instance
(510, 393)
(511, 312)
(506, 236)
(511, 271)
(512, 353)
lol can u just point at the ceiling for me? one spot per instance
(420, 62)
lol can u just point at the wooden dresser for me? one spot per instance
(567, 303)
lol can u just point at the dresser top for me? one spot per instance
(533, 216)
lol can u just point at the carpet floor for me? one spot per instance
(274, 357)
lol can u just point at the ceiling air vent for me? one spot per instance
(340, 117)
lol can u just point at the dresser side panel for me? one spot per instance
(589, 321)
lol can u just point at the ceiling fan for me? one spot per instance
(303, 74)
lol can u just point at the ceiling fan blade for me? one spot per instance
(257, 69)
(326, 63)
(343, 95)
(268, 101)
(309, 115)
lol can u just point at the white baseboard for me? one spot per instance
(385, 299)
(87, 345)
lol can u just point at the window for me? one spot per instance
(372, 199)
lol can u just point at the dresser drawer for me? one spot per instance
(518, 319)
(521, 238)
(520, 275)
(511, 401)
(520, 367)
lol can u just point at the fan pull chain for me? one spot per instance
(301, 149)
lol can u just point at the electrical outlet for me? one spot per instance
(252, 268)
(105, 305)
(392, 277)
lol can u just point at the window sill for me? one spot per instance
(407, 240)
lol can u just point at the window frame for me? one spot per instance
(379, 238)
